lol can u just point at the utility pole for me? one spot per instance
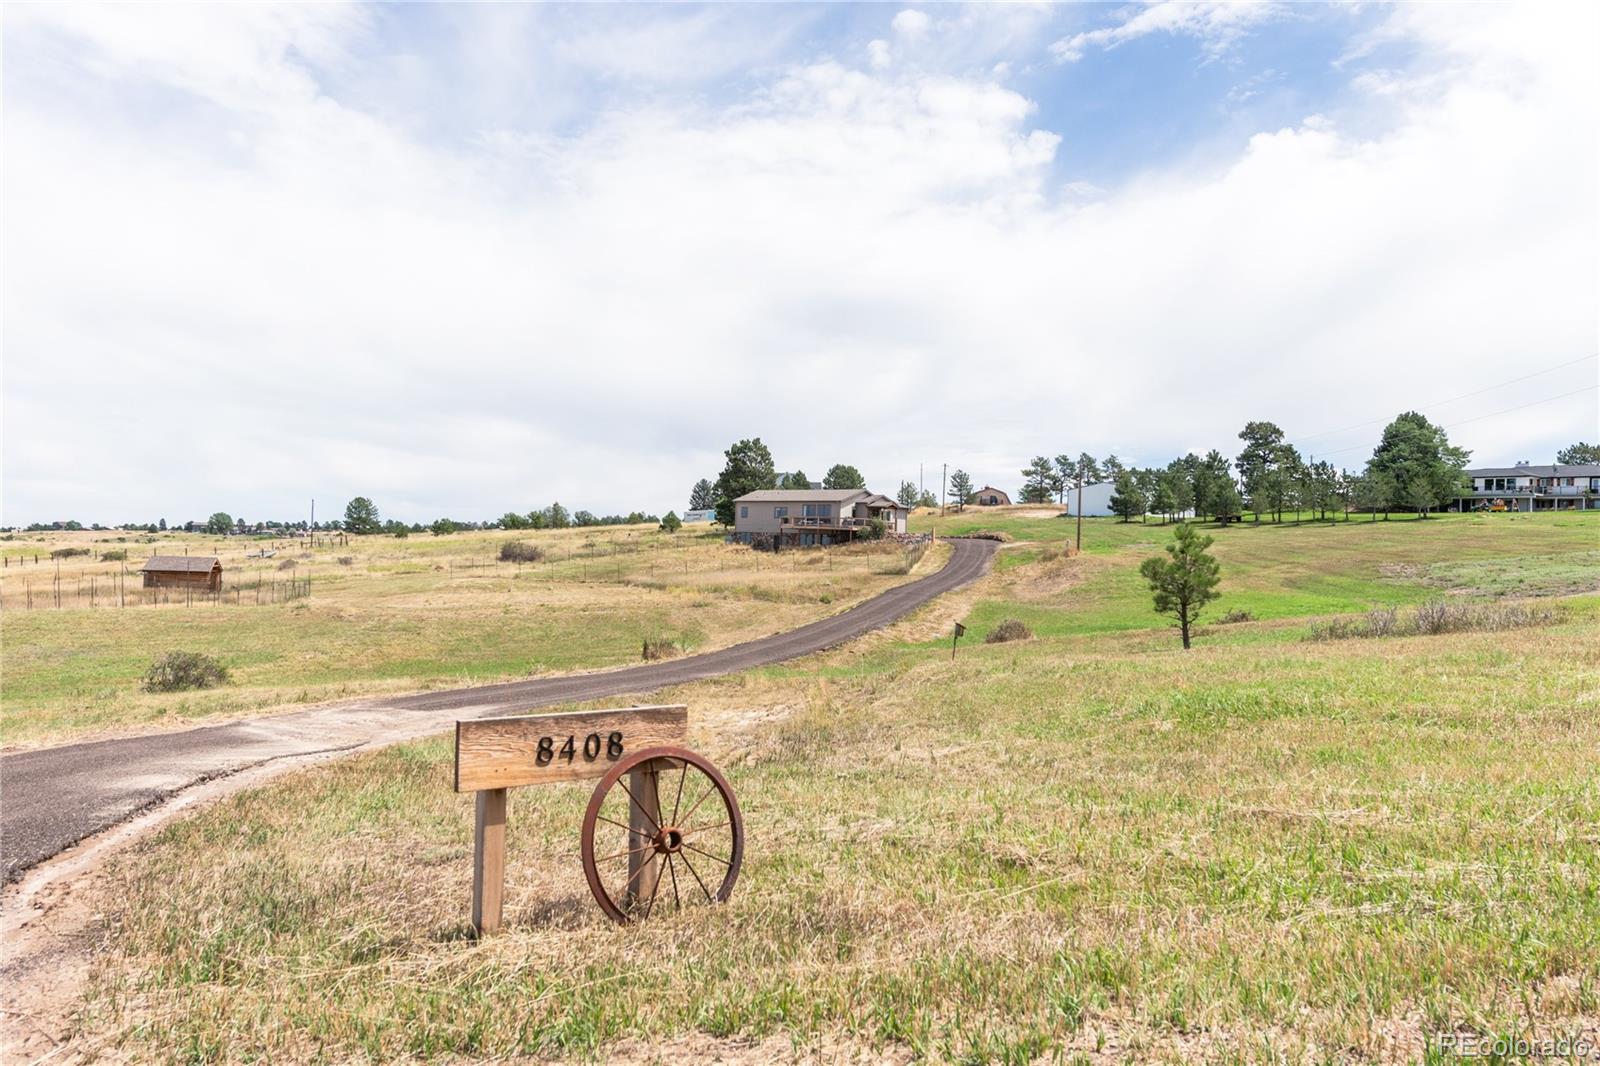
(944, 473)
(313, 515)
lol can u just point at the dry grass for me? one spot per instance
(401, 615)
(1093, 844)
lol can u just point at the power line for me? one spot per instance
(1453, 399)
(1491, 414)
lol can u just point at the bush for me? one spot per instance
(177, 671)
(520, 551)
(1236, 616)
(287, 564)
(68, 553)
(1433, 618)
(118, 555)
(660, 648)
(1007, 631)
(347, 560)
(874, 529)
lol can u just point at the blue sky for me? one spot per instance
(476, 257)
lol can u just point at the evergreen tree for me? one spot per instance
(749, 469)
(840, 476)
(1580, 452)
(796, 480)
(1418, 457)
(1186, 580)
(671, 523)
(703, 496)
(960, 488)
(1126, 498)
(1039, 481)
(361, 516)
(1161, 498)
(907, 496)
(1066, 476)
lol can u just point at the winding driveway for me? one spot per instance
(54, 797)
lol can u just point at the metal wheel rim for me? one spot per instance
(678, 757)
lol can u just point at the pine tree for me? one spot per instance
(960, 488)
(1186, 580)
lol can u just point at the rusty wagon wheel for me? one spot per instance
(662, 830)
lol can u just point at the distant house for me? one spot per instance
(1566, 487)
(183, 571)
(709, 514)
(805, 517)
(989, 496)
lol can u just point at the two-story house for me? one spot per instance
(806, 517)
(1524, 487)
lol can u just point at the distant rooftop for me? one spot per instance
(802, 495)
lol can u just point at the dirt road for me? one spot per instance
(54, 797)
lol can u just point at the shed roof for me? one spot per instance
(186, 564)
(801, 495)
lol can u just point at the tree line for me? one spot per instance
(1414, 467)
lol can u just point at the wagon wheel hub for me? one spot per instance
(668, 840)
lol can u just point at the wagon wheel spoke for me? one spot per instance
(696, 873)
(707, 854)
(710, 788)
(626, 852)
(641, 807)
(684, 773)
(677, 904)
(631, 830)
(649, 904)
(688, 832)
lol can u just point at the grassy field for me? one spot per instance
(1089, 846)
(387, 615)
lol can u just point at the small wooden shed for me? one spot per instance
(989, 496)
(183, 571)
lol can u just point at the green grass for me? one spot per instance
(1259, 850)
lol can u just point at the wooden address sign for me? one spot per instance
(497, 754)
(533, 749)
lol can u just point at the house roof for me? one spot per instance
(801, 495)
(191, 564)
(991, 488)
(878, 499)
(1559, 470)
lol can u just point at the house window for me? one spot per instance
(817, 510)
(744, 512)
(780, 512)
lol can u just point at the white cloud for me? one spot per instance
(911, 23)
(284, 295)
(1216, 25)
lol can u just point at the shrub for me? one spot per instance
(1236, 615)
(68, 553)
(347, 560)
(660, 648)
(1433, 618)
(117, 555)
(875, 529)
(520, 551)
(177, 671)
(1007, 631)
(287, 564)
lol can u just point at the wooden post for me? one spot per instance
(644, 818)
(489, 861)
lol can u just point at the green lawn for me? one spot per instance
(1088, 846)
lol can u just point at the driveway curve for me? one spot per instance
(52, 798)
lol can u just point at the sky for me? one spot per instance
(468, 259)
